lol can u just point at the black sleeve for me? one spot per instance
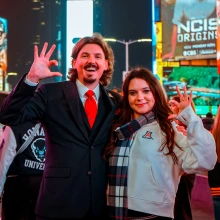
(18, 106)
(115, 97)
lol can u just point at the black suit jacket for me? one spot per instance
(74, 178)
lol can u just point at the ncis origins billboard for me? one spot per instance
(189, 29)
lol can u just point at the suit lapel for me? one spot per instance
(72, 96)
(106, 113)
(84, 116)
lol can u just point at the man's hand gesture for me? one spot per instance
(40, 67)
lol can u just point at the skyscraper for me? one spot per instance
(33, 22)
(125, 20)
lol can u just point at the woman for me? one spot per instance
(147, 155)
(214, 175)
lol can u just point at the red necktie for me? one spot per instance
(90, 107)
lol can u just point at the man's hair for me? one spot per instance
(109, 55)
(209, 115)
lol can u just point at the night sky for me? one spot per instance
(127, 20)
(120, 19)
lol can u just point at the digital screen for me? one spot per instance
(218, 34)
(204, 82)
(3, 53)
(189, 29)
(79, 23)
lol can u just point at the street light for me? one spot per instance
(126, 43)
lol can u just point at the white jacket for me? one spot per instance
(153, 177)
(7, 154)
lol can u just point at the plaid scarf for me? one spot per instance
(118, 167)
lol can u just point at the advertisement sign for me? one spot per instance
(189, 29)
(78, 24)
(218, 34)
(202, 81)
(159, 50)
(3, 52)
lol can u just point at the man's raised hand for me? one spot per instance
(40, 68)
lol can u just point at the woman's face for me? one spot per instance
(140, 97)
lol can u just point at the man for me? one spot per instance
(22, 156)
(74, 179)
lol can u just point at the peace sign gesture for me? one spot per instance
(40, 67)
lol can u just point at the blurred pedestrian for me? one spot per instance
(22, 161)
(208, 121)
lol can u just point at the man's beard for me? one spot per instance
(88, 80)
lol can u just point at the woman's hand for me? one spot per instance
(181, 129)
(185, 100)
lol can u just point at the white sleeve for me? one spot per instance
(30, 83)
(7, 154)
(199, 148)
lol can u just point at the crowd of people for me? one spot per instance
(105, 156)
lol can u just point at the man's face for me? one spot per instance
(90, 65)
(2, 36)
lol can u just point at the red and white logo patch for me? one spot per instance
(148, 135)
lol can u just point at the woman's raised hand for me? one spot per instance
(185, 101)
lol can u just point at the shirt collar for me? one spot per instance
(82, 89)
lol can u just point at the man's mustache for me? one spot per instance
(89, 65)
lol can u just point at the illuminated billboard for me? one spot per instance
(189, 29)
(218, 34)
(159, 66)
(204, 82)
(79, 23)
(3, 52)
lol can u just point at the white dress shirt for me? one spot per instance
(82, 89)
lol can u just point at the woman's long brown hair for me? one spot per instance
(161, 111)
(216, 133)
